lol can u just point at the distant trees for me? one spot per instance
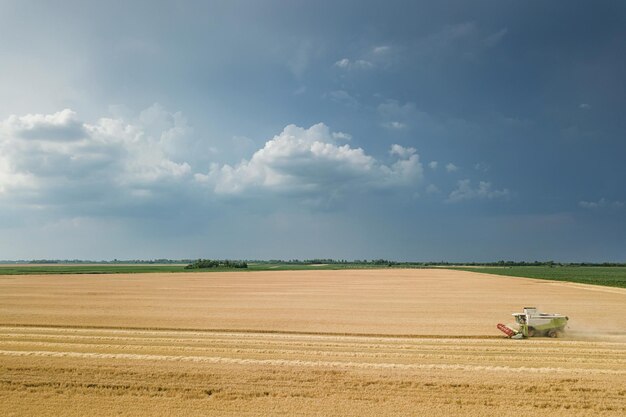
(210, 263)
(330, 261)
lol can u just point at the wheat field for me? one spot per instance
(314, 343)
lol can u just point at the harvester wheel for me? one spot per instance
(553, 333)
(532, 332)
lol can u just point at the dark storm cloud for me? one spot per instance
(532, 93)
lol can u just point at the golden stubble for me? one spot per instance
(366, 343)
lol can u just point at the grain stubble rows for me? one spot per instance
(124, 361)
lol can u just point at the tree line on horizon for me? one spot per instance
(210, 263)
(314, 261)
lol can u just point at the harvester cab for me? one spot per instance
(532, 323)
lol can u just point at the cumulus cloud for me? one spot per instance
(343, 63)
(481, 166)
(450, 167)
(13, 181)
(401, 151)
(382, 49)
(433, 164)
(359, 64)
(60, 126)
(465, 191)
(601, 203)
(300, 160)
(377, 57)
(47, 154)
(86, 167)
(395, 125)
(342, 136)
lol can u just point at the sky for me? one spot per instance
(406, 130)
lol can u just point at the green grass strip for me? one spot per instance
(612, 276)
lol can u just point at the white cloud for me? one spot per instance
(394, 125)
(302, 160)
(342, 136)
(377, 57)
(401, 151)
(481, 166)
(450, 167)
(464, 191)
(87, 167)
(13, 181)
(60, 126)
(590, 204)
(47, 154)
(433, 164)
(432, 189)
(601, 203)
(584, 106)
(381, 49)
(359, 64)
(343, 63)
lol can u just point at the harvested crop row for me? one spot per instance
(466, 375)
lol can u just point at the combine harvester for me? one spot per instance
(533, 323)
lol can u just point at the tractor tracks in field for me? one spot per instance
(302, 363)
(313, 350)
(282, 333)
